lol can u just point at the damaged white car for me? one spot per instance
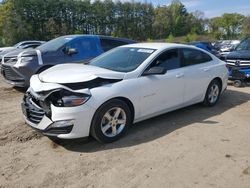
(125, 85)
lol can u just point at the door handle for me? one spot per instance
(179, 75)
(206, 69)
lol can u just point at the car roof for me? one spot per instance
(196, 42)
(157, 46)
(100, 36)
(28, 41)
(31, 41)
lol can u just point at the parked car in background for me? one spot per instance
(205, 46)
(17, 68)
(238, 62)
(226, 48)
(22, 45)
(125, 85)
(21, 48)
(220, 43)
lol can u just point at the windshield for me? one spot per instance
(244, 45)
(55, 44)
(124, 59)
(18, 44)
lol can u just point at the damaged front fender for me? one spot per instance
(37, 86)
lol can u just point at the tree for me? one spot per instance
(228, 26)
(162, 22)
(45, 20)
(215, 27)
(178, 18)
(246, 27)
(173, 20)
(5, 9)
(232, 24)
(197, 22)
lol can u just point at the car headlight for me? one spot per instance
(22, 59)
(64, 98)
(26, 58)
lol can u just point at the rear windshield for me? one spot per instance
(123, 59)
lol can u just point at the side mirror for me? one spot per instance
(155, 71)
(70, 51)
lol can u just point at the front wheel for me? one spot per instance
(111, 121)
(213, 93)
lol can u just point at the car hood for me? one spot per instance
(22, 52)
(6, 48)
(12, 53)
(76, 73)
(244, 54)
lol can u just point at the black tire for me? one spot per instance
(96, 125)
(238, 83)
(207, 101)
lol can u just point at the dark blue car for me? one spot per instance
(238, 62)
(205, 46)
(17, 68)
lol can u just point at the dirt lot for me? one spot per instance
(192, 147)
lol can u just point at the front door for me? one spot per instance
(87, 49)
(160, 93)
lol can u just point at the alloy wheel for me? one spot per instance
(214, 93)
(113, 122)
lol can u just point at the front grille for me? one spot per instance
(10, 74)
(32, 110)
(238, 63)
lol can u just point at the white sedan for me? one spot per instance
(123, 86)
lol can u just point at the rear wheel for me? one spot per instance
(213, 93)
(238, 83)
(111, 121)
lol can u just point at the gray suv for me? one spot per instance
(17, 68)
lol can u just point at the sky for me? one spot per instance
(211, 8)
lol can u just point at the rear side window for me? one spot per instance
(194, 57)
(108, 44)
(169, 60)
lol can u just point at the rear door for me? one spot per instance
(197, 67)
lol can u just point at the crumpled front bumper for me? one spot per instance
(18, 72)
(78, 119)
(13, 76)
(81, 128)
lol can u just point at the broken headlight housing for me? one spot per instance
(64, 98)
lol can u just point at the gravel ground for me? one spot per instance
(191, 147)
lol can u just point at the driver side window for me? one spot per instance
(168, 60)
(86, 48)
